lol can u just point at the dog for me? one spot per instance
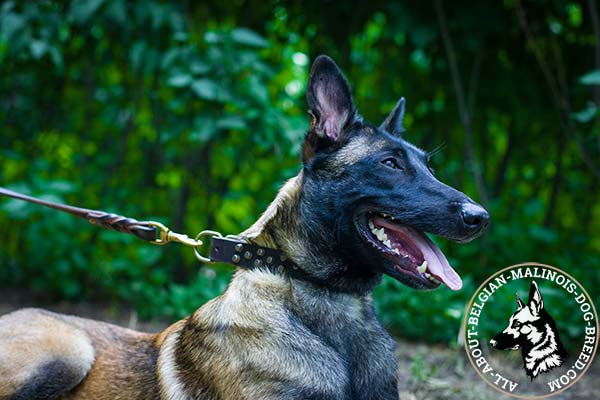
(534, 331)
(358, 209)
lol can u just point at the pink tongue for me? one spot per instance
(437, 264)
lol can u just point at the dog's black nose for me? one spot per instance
(474, 217)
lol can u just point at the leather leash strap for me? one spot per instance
(142, 230)
(223, 249)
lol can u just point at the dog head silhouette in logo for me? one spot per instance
(532, 330)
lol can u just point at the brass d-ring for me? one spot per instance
(199, 256)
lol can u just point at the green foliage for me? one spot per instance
(145, 116)
(193, 115)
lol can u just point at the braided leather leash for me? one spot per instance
(228, 249)
(142, 230)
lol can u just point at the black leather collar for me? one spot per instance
(251, 256)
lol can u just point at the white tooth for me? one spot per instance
(385, 215)
(423, 267)
(380, 233)
(396, 251)
(427, 275)
(388, 243)
(371, 226)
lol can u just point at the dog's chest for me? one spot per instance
(337, 319)
(299, 339)
(349, 328)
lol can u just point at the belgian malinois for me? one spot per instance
(358, 209)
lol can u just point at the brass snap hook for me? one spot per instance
(166, 236)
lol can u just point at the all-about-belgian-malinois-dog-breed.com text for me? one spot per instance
(358, 209)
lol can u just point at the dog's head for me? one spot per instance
(373, 193)
(526, 326)
(365, 199)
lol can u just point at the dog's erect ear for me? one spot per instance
(329, 99)
(520, 303)
(393, 122)
(536, 303)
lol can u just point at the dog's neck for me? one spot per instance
(280, 214)
(328, 314)
(287, 225)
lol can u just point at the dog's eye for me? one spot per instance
(391, 163)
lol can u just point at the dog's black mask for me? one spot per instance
(368, 195)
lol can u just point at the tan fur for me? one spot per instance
(254, 308)
(29, 338)
(124, 365)
(358, 148)
(117, 363)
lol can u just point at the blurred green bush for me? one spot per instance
(193, 115)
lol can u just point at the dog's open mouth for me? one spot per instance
(416, 260)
